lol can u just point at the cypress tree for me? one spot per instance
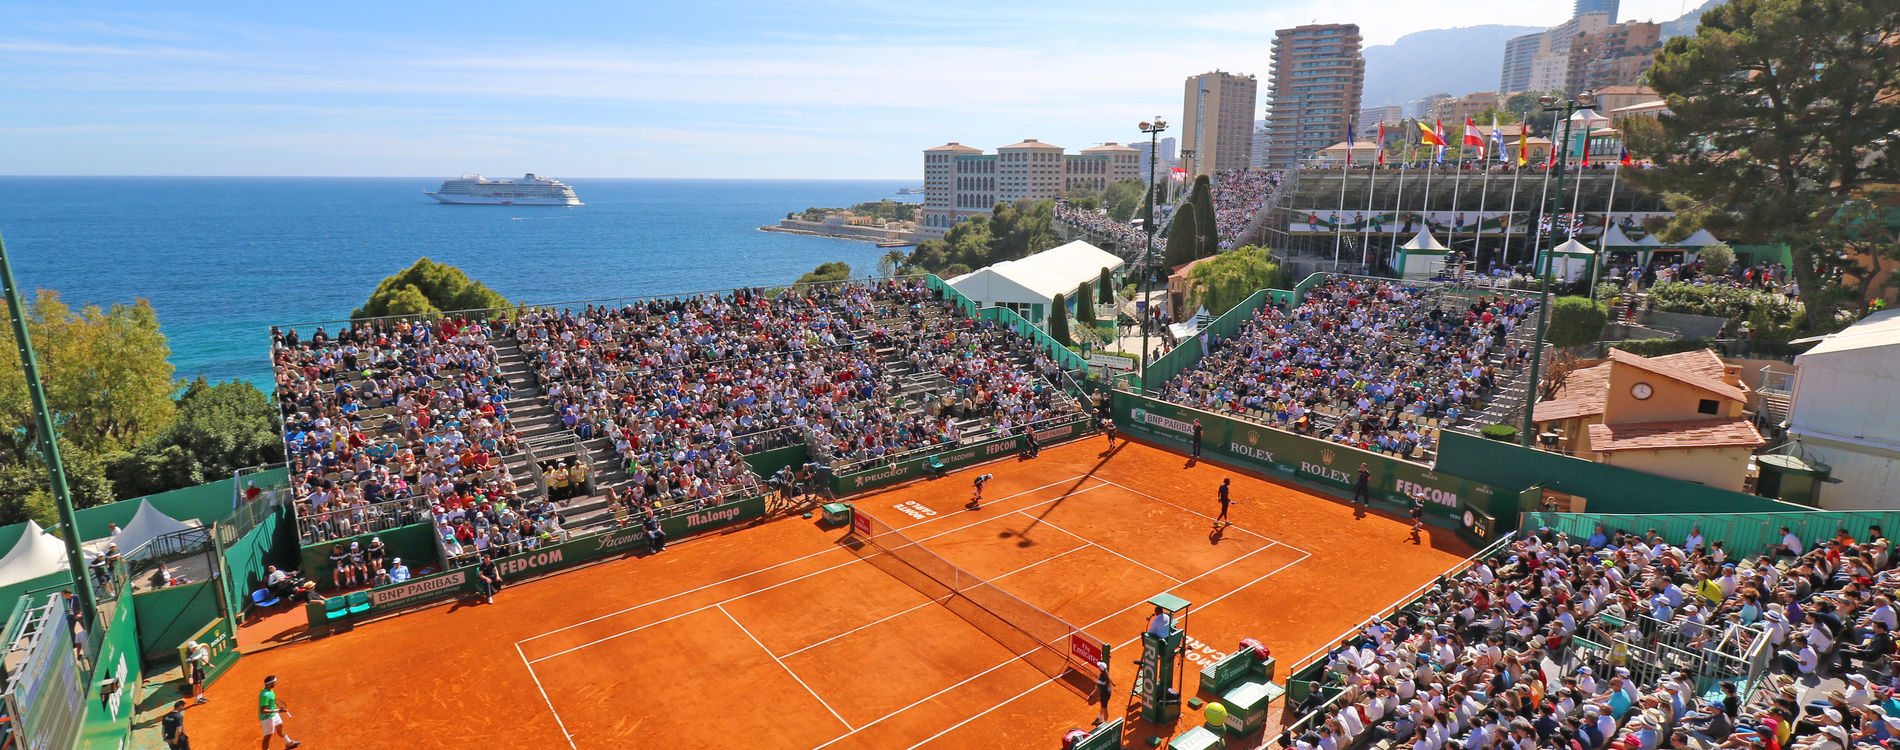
(1084, 309)
(1183, 236)
(1059, 321)
(1203, 200)
(1104, 294)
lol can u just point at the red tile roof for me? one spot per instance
(1678, 373)
(1584, 393)
(1678, 435)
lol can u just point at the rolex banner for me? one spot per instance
(1276, 452)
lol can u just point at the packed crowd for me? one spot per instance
(389, 422)
(1122, 232)
(1491, 659)
(1238, 195)
(1379, 354)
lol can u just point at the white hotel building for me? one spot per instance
(961, 181)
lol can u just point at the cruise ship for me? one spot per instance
(527, 191)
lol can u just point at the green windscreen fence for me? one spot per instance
(1742, 534)
(1188, 353)
(1606, 488)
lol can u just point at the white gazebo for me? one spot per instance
(36, 554)
(1570, 261)
(147, 523)
(1421, 257)
(1701, 238)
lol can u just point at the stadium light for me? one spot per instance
(1153, 129)
(1567, 108)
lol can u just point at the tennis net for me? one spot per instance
(1049, 643)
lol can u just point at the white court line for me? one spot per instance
(1090, 542)
(788, 670)
(928, 602)
(1204, 515)
(1235, 590)
(544, 696)
(821, 571)
(825, 551)
(953, 727)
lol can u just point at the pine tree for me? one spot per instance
(1059, 321)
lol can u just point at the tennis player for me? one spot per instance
(1226, 485)
(1104, 689)
(976, 491)
(1108, 426)
(272, 713)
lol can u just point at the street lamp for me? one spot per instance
(1153, 129)
(1568, 107)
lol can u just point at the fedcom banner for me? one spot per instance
(1269, 451)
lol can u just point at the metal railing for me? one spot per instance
(855, 466)
(333, 523)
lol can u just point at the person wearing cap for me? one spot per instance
(377, 553)
(398, 572)
(1879, 643)
(1104, 690)
(340, 567)
(1710, 724)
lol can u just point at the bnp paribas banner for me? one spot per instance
(1270, 451)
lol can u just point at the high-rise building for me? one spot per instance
(1162, 165)
(1519, 54)
(1258, 160)
(1550, 69)
(1607, 7)
(1371, 117)
(1217, 122)
(1318, 78)
(961, 181)
(1616, 55)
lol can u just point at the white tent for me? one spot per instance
(147, 524)
(1078, 261)
(1421, 257)
(36, 554)
(1571, 261)
(1837, 421)
(1701, 238)
(1616, 239)
(1650, 240)
(1029, 285)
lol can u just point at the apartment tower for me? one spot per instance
(1217, 122)
(1314, 92)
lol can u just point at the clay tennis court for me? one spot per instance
(781, 636)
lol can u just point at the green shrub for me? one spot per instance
(1576, 321)
(1764, 311)
(1502, 433)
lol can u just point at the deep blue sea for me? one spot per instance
(223, 259)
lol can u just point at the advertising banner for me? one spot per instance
(1268, 450)
(952, 458)
(1495, 223)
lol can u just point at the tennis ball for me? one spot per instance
(1216, 714)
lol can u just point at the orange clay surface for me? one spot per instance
(776, 636)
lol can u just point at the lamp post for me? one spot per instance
(1568, 107)
(1153, 129)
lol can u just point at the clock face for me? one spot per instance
(1642, 390)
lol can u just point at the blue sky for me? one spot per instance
(817, 88)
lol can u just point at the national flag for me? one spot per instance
(1178, 174)
(1430, 137)
(1625, 161)
(1352, 139)
(1440, 157)
(1382, 144)
(1551, 163)
(1472, 138)
(1586, 150)
(1523, 145)
(1497, 141)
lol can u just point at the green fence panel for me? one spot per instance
(943, 287)
(1187, 354)
(1274, 452)
(1609, 489)
(952, 458)
(108, 722)
(414, 543)
(169, 616)
(205, 503)
(1742, 534)
(767, 463)
(247, 559)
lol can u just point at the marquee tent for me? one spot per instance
(1421, 257)
(147, 524)
(1029, 285)
(36, 554)
(1571, 261)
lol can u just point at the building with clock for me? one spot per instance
(1678, 416)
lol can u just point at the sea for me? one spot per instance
(223, 259)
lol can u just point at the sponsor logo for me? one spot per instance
(612, 541)
(1085, 650)
(1326, 456)
(415, 589)
(716, 515)
(1056, 432)
(1249, 451)
(1432, 494)
(530, 561)
(999, 447)
(1325, 472)
(879, 476)
(1143, 416)
(1201, 653)
(860, 524)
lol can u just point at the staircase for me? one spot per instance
(542, 433)
(1506, 403)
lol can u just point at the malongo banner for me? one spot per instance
(952, 457)
(1271, 451)
(552, 558)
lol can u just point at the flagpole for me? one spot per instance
(1457, 179)
(1537, 241)
(1424, 214)
(1339, 230)
(1510, 216)
(1398, 201)
(1372, 184)
(1484, 192)
(1603, 238)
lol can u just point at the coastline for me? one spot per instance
(881, 242)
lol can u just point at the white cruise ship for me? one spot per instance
(527, 191)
